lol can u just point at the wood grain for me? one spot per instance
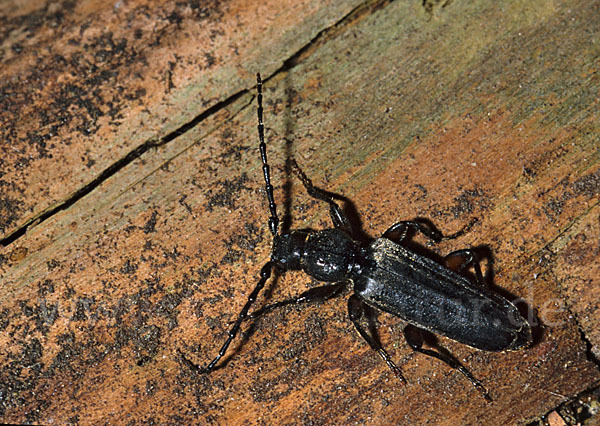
(134, 219)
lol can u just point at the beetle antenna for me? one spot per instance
(273, 220)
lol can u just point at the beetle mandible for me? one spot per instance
(386, 276)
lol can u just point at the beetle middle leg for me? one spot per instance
(402, 228)
(356, 310)
(414, 337)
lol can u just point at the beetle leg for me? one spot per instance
(317, 294)
(265, 273)
(356, 310)
(469, 258)
(402, 228)
(338, 217)
(415, 340)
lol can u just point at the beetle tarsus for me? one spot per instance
(191, 365)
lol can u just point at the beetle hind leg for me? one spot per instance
(414, 337)
(470, 258)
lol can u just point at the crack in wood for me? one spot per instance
(356, 14)
(117, 166)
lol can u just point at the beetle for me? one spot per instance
(386, 276)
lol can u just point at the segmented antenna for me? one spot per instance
(273, 220)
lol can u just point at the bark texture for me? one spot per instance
(133, 215)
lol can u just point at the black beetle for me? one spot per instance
(389, 277)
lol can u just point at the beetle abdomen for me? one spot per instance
(435, 298)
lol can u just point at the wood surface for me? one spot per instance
(133, 214)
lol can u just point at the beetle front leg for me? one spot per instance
(414, 338)
(316, 294)
(338, 217)
(356, 310)
(402, 228)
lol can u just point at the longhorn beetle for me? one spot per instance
(385, 276)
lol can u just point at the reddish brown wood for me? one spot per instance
(472, 109)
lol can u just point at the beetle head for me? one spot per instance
(288, 250)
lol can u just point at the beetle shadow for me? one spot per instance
(416, 337)
(348, 207)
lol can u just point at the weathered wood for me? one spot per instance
(485, 110)
(87, 83)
